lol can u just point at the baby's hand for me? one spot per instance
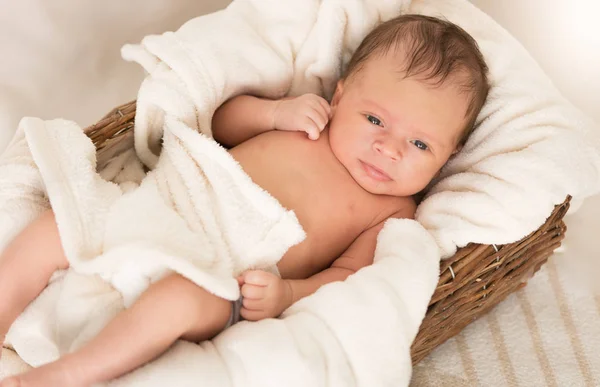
(308, 113)
(264, 295)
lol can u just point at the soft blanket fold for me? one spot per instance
(357, 332)
(197, 213)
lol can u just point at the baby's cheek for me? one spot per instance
(414, 180)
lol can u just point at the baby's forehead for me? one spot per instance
(389, 59)
(392, 63)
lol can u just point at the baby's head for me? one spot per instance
(407, 102)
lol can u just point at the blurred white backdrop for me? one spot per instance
(61, 58)
(564, 37)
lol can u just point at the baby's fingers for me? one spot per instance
(318, 114)
(253, 292)
(313, 131)
(256, 277)
(250, 304)
(313, 125)
(252, 315)
(255, 310)
(326, 108)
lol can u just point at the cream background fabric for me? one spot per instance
(61, 58)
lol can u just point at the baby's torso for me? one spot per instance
(304, 176)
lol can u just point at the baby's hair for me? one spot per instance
(436, 51)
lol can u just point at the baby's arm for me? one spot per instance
(245, 116)
(360, 254)
(242, 118)
(266, 295)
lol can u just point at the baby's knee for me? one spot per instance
(47, 216)
(10, 382)
(47, 236)
(193, 297)
(44, 225)
(205, 313)
(40, 239)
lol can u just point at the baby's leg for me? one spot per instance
(26, 266)
(170, 309)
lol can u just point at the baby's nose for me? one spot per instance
(387, 149)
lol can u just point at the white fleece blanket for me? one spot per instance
(532, 147)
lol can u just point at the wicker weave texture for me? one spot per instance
(473, 281)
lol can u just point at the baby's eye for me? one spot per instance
(420, 144)
(374, 120)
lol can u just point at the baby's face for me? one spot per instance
(393, 135)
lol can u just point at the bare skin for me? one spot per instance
(342, 184)
(332, 215)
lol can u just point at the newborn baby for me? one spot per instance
(406, 103)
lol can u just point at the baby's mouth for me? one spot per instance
(374, 172)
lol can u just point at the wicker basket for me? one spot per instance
(472, 282)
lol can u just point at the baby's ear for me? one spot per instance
(457, 149)
(339, 90)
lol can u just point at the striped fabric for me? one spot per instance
(547, 334)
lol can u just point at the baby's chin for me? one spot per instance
(388, 188)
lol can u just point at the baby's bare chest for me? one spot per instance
(303, 176)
